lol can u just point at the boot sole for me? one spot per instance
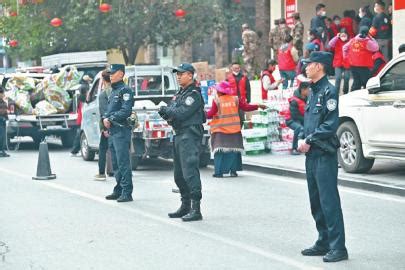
(194, 219)
(336, 260)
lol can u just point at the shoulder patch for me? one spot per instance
(189, 100)
(126, 97)
(331, 104)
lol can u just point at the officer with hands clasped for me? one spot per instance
(320, 143)
(119, 109)
(186, 115)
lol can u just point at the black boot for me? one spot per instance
(195, 213)
(183, 210)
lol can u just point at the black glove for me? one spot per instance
(162, 112)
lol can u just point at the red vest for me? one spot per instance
(338, 60)
(378, 55)
(272, 80)
(239, 89)
(347, 23)
(226, 120)
(301, 107)
(318, 42)
(285, 59)
(359, 56)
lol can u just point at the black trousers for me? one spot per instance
(186, 164)
(322, 170)
(102, 154)
(76, 141)
(360, 77)
(297, 127)
(3, 131)
(119, 144)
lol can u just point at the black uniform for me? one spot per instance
(381, 26)
(3, 120)
(119, 108)
(320, 126)
(186, 114)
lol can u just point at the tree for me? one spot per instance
(128, 26)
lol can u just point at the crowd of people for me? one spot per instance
(361, 43)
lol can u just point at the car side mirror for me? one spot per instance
(374, 85)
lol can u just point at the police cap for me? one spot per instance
(324, 58)
(115, 67)
(185, 67)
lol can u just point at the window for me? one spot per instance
(150, 85)
(394, 79)
(92, 96)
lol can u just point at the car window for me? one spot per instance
(394, 79)
(92, 96)
(150, 85)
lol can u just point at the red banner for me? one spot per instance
(290, 8)
(399, 4)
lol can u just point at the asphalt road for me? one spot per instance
(255, 221)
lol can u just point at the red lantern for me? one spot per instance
(180, 13)
(13, 14)
(56, 22)
(105, 7)
(13, 43)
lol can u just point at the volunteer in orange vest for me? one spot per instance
(287, 61)
(267, 79)
(226, 136)
(360, 51)
(295, 115)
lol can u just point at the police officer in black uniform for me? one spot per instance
(119, 109)
(186, 115)
(320, 143)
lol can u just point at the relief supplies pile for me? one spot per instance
(43, 97)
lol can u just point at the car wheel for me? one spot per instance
(350, 153)
(87, 153)
(67, 139)
(135, 161)
(204, 159)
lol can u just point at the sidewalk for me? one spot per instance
(386, 176)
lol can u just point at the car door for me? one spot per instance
(91, 116)
(384, 117)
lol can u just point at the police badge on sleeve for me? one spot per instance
(189, 101)
(331, 104)
(126, 97)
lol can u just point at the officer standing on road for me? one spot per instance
(320, 143)
(119, 108)
(3, 120)
(186, 115)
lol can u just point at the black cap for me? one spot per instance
(324, 58)
(401, 48)
(115, 67)
(364, 30)
(185, 67)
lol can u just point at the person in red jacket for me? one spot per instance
(379, 63)
(360, 51)
(239, 82)
(347, 22)
(295, 115)
(287, 61)
(267, 80)
(341, 64)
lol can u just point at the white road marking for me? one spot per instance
(370, 194)
(212, 236)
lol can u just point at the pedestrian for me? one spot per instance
(284, 31)
(81, 100)
(295, 114)
(347, 23)
(381, 29)
(298, 33)
(250, 46)
(379, 63)
(335, 26)
(274, 39)
(287, 62)
(330, 32)
(359, 51)
(341, 64)
(365, 16)
(115, 119)
(3, 121)
(319, 142)
(267, 79)
(186, 115)
(318, 22)
(226, 136)
(314, 37)
(103, 144)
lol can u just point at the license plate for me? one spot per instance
(53, 127)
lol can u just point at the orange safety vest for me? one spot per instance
(226, 120)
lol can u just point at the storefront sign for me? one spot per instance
(399, 4)
(290, 9)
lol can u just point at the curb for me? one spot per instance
(343, 181)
